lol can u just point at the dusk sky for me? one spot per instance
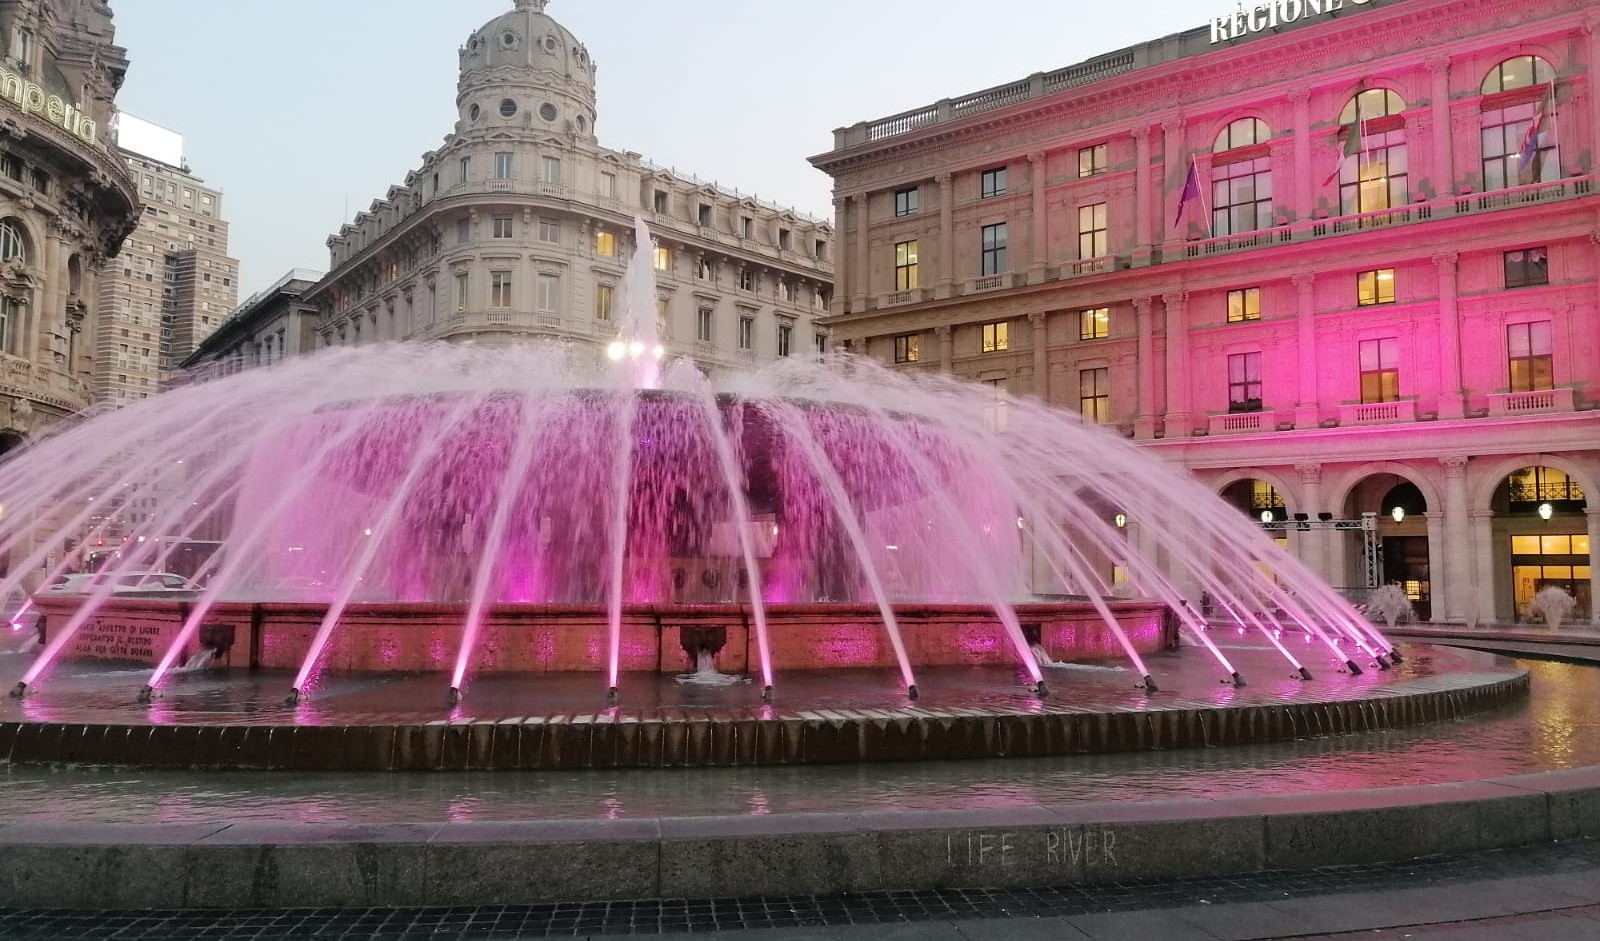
(304, 111)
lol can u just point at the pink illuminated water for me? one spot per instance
(554, 473)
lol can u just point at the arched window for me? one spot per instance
(1515, 151)
(1375, 176)
(1241, 178)
(12, 244)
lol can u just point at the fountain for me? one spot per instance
(539, 510)
(1554, 604)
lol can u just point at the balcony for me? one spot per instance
(1237, 423)
(913, 296)
(994, 282)
(1100, 265)
(1504, 404)
(1378, 413)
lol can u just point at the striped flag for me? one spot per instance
(1191, 189)
(1352, 146)
(1527, 158)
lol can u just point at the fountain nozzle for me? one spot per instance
(454, 696)
(1351, 665)
(293, 699)
(611, 696)
(1383, 663)
(1149, 684)
(1040, 690)
(146, 694)
(766, 694)
(1236, 679)
(1305, 674)
(18, 690)
(911, 692)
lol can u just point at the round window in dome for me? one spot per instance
(583, 125)
(549, 44)
(508, 39)
(473, 112)
(547, 111)
(508, 108)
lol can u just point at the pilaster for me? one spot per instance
(1306, 413)
(1041, 365)
(1177, 423)
(1144, 425)
(1041, 244)
(1451, 401)
(945, 286)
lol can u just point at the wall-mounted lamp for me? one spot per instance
(1121, 519)
(1266, 516)
(1399, 513)
(1546, 511)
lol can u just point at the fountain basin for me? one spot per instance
(540, 638)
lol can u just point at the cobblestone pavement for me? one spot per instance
(1549, 892)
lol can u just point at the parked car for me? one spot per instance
(141, 582)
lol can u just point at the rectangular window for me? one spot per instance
(905, 265)
(1094, 323)
(907, 348)
(785, 240)
(608, 185)
(906, 201)
(705, 214)
(503, 166)
(747, 333)
(663, 258)
(1526, 267)
(704, 272)
(1094, 394)
(1528, 348)
(1244, 304)
(11, 166)
(550, 231)
(1092, 242)
(552, 170)
(462, 284)
(1091, 160)
(503, 227)
(463, 231)
(602, 302)
(1380, 370)
(747, 227)
(703, 324)
(660, 204)
(747, 279)
(605, 244)
(1244, 382)
(466, 168)
(663, 317)
(1375, 287)
(500, 289)
(9, 310)
(996, 336)
(785, 338)
(549, 293)
(992, 183)
(993, 260)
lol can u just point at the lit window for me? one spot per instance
(1517, 72)
(703, 324)
(1244, 382)
(1375, 287)
(503, 227)
(993, 258)
(500, 289)
(549, 293)
(1374, 176)
(907, 348)
(1244, 304)
(602, 302)
(992, 183)
(1094, 394)
(1528, 348)
(996, 336)
(1091, 160)
(1526, 267)
(1380, 370)
(905, 265)
(1092, 239)
(1094, 323)
(605, 243)
(663, 258)
(906, 201)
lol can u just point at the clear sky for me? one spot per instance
(304, 111)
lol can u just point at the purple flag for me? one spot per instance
(1191, 189)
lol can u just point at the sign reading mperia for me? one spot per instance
(33, 99)
(1271, 15)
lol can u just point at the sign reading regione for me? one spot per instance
(1264, 16)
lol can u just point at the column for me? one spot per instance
(52, 305)
(841, 271)
(1177, 416)
(1312, 542)
(1141, 198)
(1591, 32)
(1483, 568)
(1041, 364)
(1306, 413)
(1041, 245)
(1144, 426)
(1451, 402)
(1173, 171)
(1444, 170)
(1304, 196)
(947, 348)
(863, 274)
(945, 287)
(1450, 601)
(1593, 513)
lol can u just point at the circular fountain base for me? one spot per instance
(560, 721)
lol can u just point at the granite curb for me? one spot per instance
(105, 866)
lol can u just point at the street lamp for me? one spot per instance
(1546, 511)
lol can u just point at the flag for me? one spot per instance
(1191, 189)
(1528, 156)
(1352, 146)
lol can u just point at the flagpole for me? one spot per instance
(1555, 131)
(1205, 206)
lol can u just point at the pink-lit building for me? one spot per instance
(1406, 323)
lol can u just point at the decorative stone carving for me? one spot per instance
(1454, 465)
(1309, 473)
(1446, 263)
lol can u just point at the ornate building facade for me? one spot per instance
(1346, 269)
(521, 224)
(66, 204)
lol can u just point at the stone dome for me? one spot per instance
(524, 68)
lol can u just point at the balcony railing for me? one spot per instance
(1378, 413)
(1234, 423)
(1529, 403)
